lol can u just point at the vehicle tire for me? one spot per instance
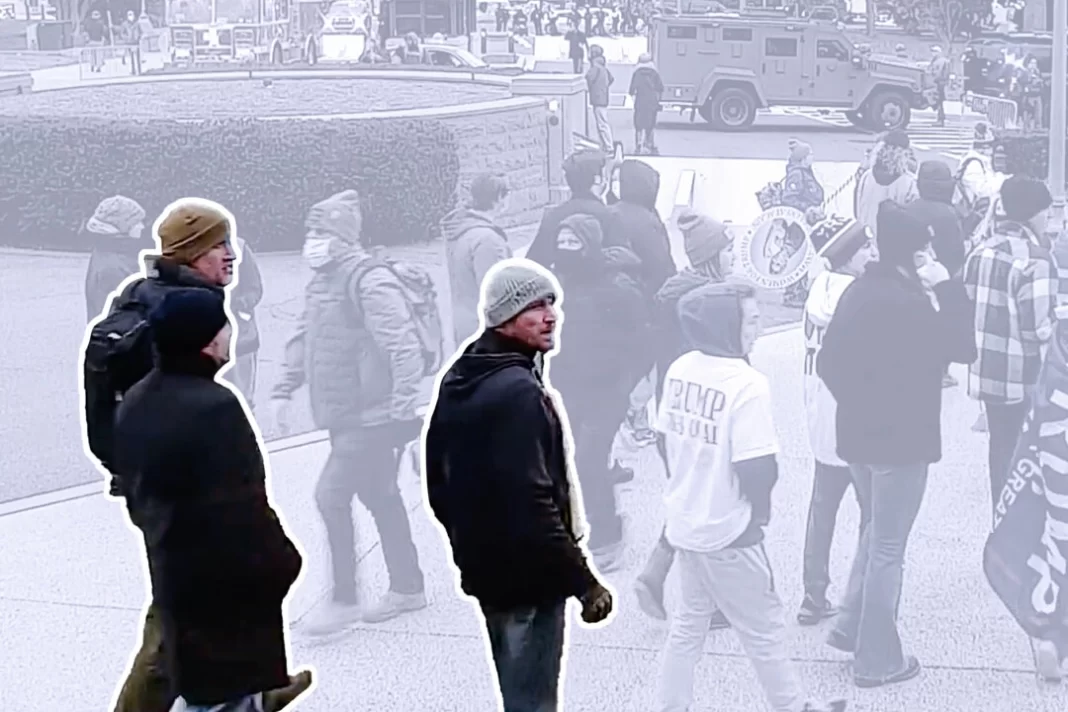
(730, 109)
(888, 111)
(276, 56)
(856, 118)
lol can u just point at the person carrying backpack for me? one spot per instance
(369, 335)
(195, 253)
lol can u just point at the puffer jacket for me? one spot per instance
(356, 347)
(473, 244)
(891, 177)
(643, 230)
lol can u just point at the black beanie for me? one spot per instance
(187, 320)
(1022, 198)
(899, 235)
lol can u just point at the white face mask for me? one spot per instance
(317, 252)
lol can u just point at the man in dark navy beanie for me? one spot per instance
(191, 327)
(220, 561)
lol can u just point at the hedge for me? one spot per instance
(268, 173)
(1024, 153)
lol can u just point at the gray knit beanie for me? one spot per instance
(513, 288)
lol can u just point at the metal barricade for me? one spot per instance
(109, 62)
(1001, 113)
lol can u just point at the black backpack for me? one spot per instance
(118, 355)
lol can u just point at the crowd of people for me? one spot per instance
(595, 18)
(938, 266)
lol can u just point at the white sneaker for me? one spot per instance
(1048, 665)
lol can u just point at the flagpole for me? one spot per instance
(1058, 110)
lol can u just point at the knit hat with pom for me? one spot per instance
(703, 237)
(339, 216)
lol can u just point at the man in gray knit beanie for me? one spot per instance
(495, 446)
(513, 289)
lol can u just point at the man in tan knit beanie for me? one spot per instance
(197, 234)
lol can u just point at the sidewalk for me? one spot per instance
(72, 586)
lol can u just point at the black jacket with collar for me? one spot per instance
(220, 562)
(496, 474)
(882, 358)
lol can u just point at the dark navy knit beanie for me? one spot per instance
(187, 321)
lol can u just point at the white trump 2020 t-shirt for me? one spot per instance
(715, 412)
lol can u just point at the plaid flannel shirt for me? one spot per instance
(1011, 278)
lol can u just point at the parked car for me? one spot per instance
(450, 56)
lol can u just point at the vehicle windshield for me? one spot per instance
(200, 11)
(470, 59)
(236, 11)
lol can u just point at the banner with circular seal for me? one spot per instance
(775, 252)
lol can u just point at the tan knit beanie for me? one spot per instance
(192, 229)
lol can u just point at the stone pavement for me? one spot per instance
(72, 589)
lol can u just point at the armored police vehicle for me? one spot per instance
(726, 66)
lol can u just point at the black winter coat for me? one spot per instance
(643, 230)
(221, 564)
(497, 479)
(883, 356)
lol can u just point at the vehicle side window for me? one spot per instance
(682, 32)
(737, 34)
(780, 47)
(832, 49)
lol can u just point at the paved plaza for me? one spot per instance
(73, 588)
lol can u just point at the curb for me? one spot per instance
(93, 489)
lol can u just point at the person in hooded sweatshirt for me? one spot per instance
(643, 230)
(882, 358)
(934, 208)
(722, 448)
(605, 337)
(117, 232)
(707, 244)
(474, 243)
(845, 247)
(647, 88)
(499, 482)
(891, 177)
(589, 180)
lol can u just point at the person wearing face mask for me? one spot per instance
(882, 358)
(195, 254)
(708, 248)
(722, 448)
(589, 181)
(220, 561)
(117, 233)
(1012, 280)
(605, 331)
(358, 347)
(474, 243)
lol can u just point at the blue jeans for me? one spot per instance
(889, 498)
(528, 647)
